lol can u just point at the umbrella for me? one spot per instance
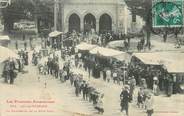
(55, 34)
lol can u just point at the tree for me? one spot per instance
(44, 13)
(142, 8)
(38, 10)
(19, 9)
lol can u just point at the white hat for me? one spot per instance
(155, 78)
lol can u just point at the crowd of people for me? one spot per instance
(81, 86)
(154, 77)
(13, 65)
(131, 75)
(9, 71)
(89, 93)
(144, 100)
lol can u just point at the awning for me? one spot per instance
(172, 61)
(175, 67)
(115, 44)
(105, 51)
(148, 58)
(85, 46)
(6, 53)
(4, 37)
(55, 34)
(123, 57)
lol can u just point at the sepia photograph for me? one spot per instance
(91, 57)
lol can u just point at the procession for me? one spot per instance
(87, 64)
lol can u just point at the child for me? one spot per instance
(99, 105)
(140, 98)
(149, 104)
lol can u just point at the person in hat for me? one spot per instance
(16, 45)
(140, 98)
(132, 87)
(25, 45)
(155, 85)
(71, 78)
(149, 104)
(99, 105)
(125, 98)
(108, 75)
(84, 90)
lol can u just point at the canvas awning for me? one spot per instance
(148, 58)
(4, 37)
(172, 61)
(55, 34)
(6, 53)
(105, 51)
(123, 57)
(175, 67)
(85, 46)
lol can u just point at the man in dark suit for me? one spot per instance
(125, 98)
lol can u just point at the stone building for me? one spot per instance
(100, 15)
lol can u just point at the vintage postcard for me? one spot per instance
(91, 58)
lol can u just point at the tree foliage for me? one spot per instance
(142, 8)
(35, 10)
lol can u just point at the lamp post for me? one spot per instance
(55, 14)
(124, 73)
(125, 20)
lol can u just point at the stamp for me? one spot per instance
(166, 16)
(167, 13)
(4, 3)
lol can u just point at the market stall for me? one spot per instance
(110, 59)
(85, 47)
(167, 66)
(56, 39)
(147, 58)
(105, 52)
(123, 57)
(6, 54)
(4, 40)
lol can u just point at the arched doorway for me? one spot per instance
(89, 22)
(74, 23)
(105, 23)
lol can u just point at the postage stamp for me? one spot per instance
(167, 13)
(4, 3)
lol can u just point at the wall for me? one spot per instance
(97, 9)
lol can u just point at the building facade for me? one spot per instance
(84, 15)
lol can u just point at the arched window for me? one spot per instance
(74, 23)
(105, 23)
(89, 22)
